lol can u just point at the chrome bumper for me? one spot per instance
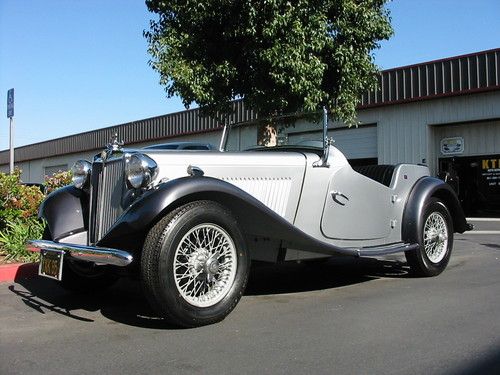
(100, 255)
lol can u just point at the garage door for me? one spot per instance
(479, 138)
(355, 143)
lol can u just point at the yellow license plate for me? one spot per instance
(51, 263)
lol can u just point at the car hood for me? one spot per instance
(274, 178)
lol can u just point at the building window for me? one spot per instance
(49, 171)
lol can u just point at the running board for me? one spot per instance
(329, 249)
(385, 250)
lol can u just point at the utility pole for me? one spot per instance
(10, 115)
(11, 145)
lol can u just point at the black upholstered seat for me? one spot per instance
(380, 173)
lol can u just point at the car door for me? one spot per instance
(356, 207)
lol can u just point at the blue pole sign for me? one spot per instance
(10, 103)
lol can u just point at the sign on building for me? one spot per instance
(452, 146)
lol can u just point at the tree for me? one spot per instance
(280, 56)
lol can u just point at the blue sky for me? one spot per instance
(82, 65)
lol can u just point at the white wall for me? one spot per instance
(405, 133)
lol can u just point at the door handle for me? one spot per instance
(336, 195)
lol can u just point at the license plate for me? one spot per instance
(51, 263)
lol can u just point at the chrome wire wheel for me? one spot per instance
(205, 264)
(435, 237)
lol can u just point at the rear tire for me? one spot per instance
(435, 239)
(195, 264)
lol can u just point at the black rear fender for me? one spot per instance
(424, 189)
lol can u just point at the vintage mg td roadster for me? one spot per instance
(190, 222)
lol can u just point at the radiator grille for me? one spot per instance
(107, 183)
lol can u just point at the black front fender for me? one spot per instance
(66, 211)
(156, 203)
(254, 218)
(424, 189)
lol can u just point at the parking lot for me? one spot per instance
(342, 316)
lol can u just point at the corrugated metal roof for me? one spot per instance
(458, 75)
(155, 128)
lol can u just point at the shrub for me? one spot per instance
(17, 201)
(19, 205)
(57, 180)
(13, 239)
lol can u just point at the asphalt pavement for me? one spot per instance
(338, 317)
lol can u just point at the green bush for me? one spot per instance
(57, 180)
(19, 213)
(17, 201)
(13, 239)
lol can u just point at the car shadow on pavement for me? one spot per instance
(125, 302)
(488, 363)
(328, 273)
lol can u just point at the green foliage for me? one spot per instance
(18, 216)
(281, 57)
(57, 180)
(19, 213)
(13, 239)
(17, 201)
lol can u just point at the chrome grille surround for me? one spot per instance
(107, 184)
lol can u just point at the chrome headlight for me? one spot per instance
(140, 170)
(80, 173)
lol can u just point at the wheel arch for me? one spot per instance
(423, 190)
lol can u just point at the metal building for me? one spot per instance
(443, 113)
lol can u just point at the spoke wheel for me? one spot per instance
(205, 264)
(195, 265)
(435, 239)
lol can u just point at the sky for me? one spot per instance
(82, 65)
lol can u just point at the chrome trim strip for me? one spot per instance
(101, 198)
(101, 255)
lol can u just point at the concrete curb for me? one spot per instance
(16, 271)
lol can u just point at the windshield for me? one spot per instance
(163, 147)
(277, 136)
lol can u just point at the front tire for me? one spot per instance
(195, 264)
(435, 241)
